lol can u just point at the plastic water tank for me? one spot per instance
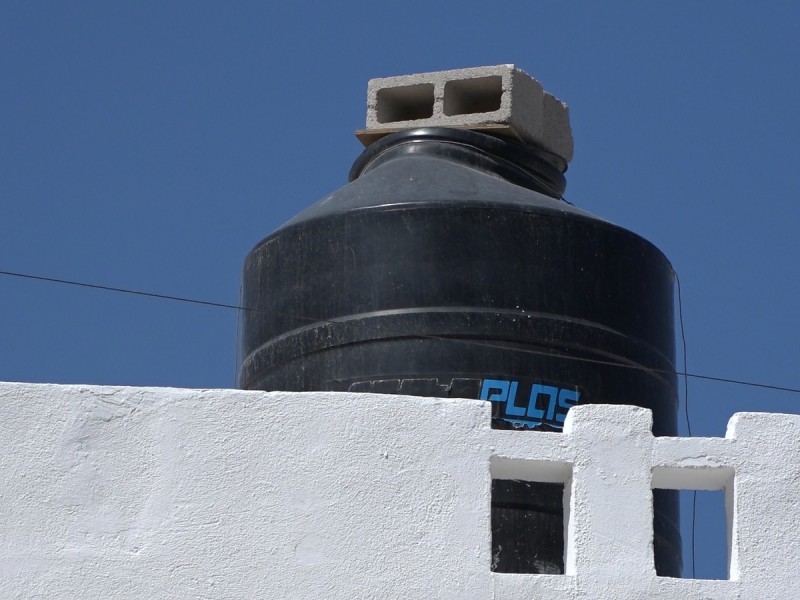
(450, 267)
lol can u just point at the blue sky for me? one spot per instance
(150, 145)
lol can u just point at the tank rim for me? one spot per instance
(522, 164)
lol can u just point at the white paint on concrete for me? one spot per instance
(472, 98)
(165, 493)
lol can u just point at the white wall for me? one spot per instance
(165, 493)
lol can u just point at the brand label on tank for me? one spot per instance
(520, 403)
(529, 404)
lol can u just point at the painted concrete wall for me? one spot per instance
(165, 493)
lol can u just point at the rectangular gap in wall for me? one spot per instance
(676, 513)
(527, 527)
(710, 534)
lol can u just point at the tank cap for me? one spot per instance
(503, 100)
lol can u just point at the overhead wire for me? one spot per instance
(686, 412)
(441, 338)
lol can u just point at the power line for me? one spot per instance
(686, 412)
(440, 338)
(685, 368)
(109, 288)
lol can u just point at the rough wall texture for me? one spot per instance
(164, 493)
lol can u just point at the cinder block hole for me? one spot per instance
(406, 103)
(711, 541)
(470, 96)
(527, 527)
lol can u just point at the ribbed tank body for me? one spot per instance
(447, 268)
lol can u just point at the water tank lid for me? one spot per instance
(522, 164)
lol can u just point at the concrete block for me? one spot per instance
(502, 99)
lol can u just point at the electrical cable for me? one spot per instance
(685, 368)
(299, 317)
(686, 412)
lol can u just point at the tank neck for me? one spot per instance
(521, 164)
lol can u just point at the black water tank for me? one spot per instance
(450, 267)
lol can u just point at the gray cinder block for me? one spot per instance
(502, 98)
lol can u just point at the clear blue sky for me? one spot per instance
(151, 144)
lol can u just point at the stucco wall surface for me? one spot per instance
(165, 493)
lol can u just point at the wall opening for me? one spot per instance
(529, 516)
(708, 556)
(405, 103)
(527, 527)
(706, 518)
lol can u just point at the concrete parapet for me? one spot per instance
(502, 99)
(163, 493)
